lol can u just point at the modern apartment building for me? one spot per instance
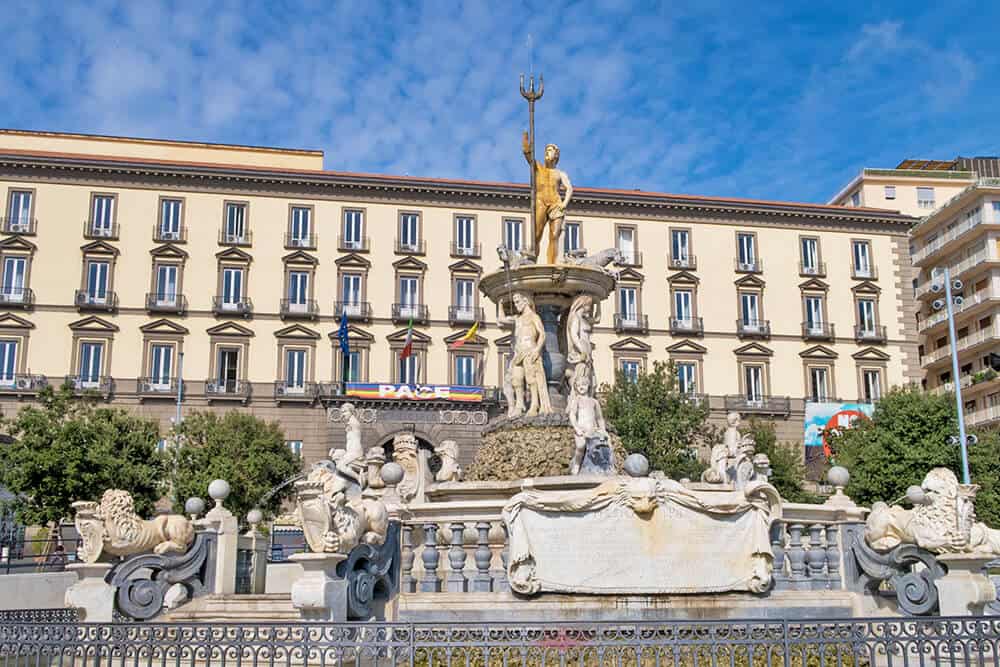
(122, 257)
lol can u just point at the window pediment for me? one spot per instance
(354, 333)
(93, 324)
(870, 354)
(234, 255)
(297, 331)
(352, 261)
(630, 344)
(754, 350)
(11, 321)
(866, 287)
(18, 244)
(818, 352)
(168, 251)
(400, 336)
(300, 257)
(630, 275)
(814, 285)
(230, 329)
(476, 340)
(687, 347)
(683, 278)
(163, 326)
(465, 266)
(409, 264)
(750, 281)
(99, 248)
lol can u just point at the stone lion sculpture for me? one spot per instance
(945, 523)
(334, 516)
(450, 471)
(112, 527)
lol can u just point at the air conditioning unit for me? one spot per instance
(211, 387)
(24, 383)
(242, 306)
(18, 228)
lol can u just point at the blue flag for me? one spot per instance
(342, 334)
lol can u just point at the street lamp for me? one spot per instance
(948, 303)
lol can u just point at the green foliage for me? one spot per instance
(247, 452)
(66, 448)
(653, 418)
(906, 437)
(984, 376)
(787, 470)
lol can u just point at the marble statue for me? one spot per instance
(587, 420)
(450, 471)
(732, 461)
(598, 260)
(350, 460)
(550, 207)
(580, 322)
(404, 452)
(112, 528)
(334, 516)
(526, 371)
(945, 523)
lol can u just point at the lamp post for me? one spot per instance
(949, 303)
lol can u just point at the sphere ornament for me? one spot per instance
(838, 477)
(637, 465)
(219, 490)
(194, 506)
(254, 516)
(391, 473)
(916, 495)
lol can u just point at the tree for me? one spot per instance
(655, 419)
(247, 452)
(907, 436)
(67, 448)
(787, 470)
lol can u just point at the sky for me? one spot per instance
(748, 99)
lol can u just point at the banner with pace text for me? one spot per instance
(415, 392)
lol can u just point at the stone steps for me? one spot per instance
(234, 608)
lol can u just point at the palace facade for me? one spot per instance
(128, 264)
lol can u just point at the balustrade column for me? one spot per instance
(778, 550)
(501, 585)
(832, 557)
(456, 558)
(816, 557)
(796, 555)
(482, 582)
(430, 583)
(407, 583)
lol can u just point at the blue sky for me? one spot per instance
(729, 99)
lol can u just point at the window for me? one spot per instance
(626, 244)
(814, 314)
(746, 248)
(298, 289)
(166, 284)
(227, 372)
(925, 197)
(862, 259)
(818, 384)
(855, 199)
(8, 362)
(628, 306)
(753, 383)
(91, 356)
(630, 369)
(465, 370)
(408, 369)
(465, 299)
(512, 233)
(890, 192)
(14, 278)
(19, 211)
(300, 234)
(353, 359)
(686, 377)
(409, 230)
(236, 223)
(409, 297)
(170, 220)
(996, 211)
(351, 293)
(810, 256)
(683, 311)
(680, 246)
(866, 316)
(465, 235)
(295, 370)
(295, 446)
(871, 384)
(97, 282)
(571, 237)
(354, 223)
(232, 287)
(750, 310)
(102, 216)
(161, 359)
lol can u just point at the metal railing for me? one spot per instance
(103, 385)
(222, 306)
(411, 247)
(228, 389)
(632, 322)
(294, 242)
(817, 270)
(465, 251)
(163, 235)
(353, 245)
(864, 273)
(754, 265)
(961, 345)
(23, 383)
(688, 262)
(296, 308)
(968, 302)
(356, 310)
(244, 239)
(19, 225)
(818, 331)
(875, 334)
(86, 300)
(956, 270)
(295, 391)
(17, 297)
(150, 386)
(402, 312)
(91, 230)
(690, 326)
(166, 303)
(23, 556)
(957, 232)
(771, 405)
(464, 315)
(753, 328)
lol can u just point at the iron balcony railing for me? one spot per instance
(294, 242)
(816, 270)
(162, 234)
(223, 306)
(750, 265)
(156, 386)
(237, 239)
(410, 247)
(631, 322)
(17, 297)
(87, 300)
(22, 383)
(82, 382)
(19, 225)
(685, 262)
(404, 312)
(356, 310)
(866, 334)
(295, 391)
(464, 315)
(687, 326)
(864, 272)
(771, 405)
(353, 245)
(93, 229)
(465, 250)
(817, 331)
(166, 303)
(227, 389)
(307, 308)
(631, 257)
(753, 328)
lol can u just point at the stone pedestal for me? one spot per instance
(91, 593)
(966, 589)
(319, 594)
(226, 527)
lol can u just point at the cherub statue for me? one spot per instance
(351, 459)
(586, 418)
(550, 207)
(526, 371)
(732, 460)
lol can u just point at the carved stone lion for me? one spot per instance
(450, 471)
(946, 523)
(113, 528)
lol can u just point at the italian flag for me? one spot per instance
(408, 345)
(469, 335)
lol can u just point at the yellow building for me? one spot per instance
(121, 255)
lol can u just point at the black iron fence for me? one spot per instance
(19, 556)
(57, 640)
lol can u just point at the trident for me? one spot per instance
(530, 95)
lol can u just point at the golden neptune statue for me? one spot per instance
(549, 205)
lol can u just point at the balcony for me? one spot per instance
(753, 328)
(969, 304)
(85, 300)
(470, 251)
(870, 334)
(683, 263)
(327, 390)
(95, 230)
(242, 306)
(162, 234)
(23, 384)
(295, 391)
(818, 331)
(17, 297)
(460, 315)
(691, 326)
(950, 238)
(761, 405)
(864, 272)
(227, 390)
(816, 270)
(956, 271)
(630, 257)
(750, 265)
(356, 310)
(353, 245)
(403, 312)
(19, 225)
(295, 308)
(307, 242)
(631, 323)
(983, 417)
(410, 247)
(102, 385)
(969, 342)
(166, 303)
(235, 239)
(161, 387)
